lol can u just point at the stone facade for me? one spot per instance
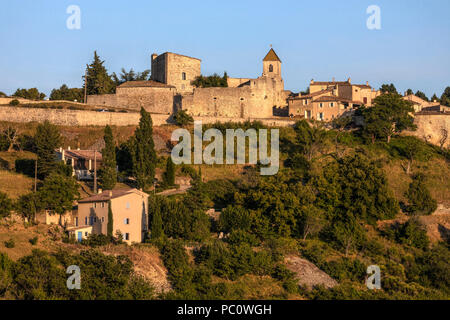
(329, 100)
(152, 96)
(244, 98)
(175, 70)
(170, 89)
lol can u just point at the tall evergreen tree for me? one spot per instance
(108, 172)
(169, 175)
(109, 227)
(47, 139)
(98, 79)
(144, 155)
(157, 225)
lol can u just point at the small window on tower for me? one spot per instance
(270, 68)
(183, 76)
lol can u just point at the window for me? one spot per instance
(95, 204)
(332, 104)
(103, 204)
(270, 68)
(321, 104)
(183, 76)
(127, 236)
(86, 234)
(128, 205)
(103, 219)
(95, 219)
(126, 221)
(76, 221)
(85, 221)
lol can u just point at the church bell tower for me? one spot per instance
(272, 65)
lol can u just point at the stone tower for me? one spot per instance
(272, 65)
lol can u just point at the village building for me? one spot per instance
(83, 162)
(420, 104)
(129, 210)
(327, 101)
(170, 89)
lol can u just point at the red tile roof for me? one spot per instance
(107, 195)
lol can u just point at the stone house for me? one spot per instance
(419, 103)
(129, 209)
(82, 161)
(329, 100)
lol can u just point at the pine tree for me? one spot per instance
(98, 80)
(109, 227)
(108, 173)
(169, 175)
(47, 139)
(144, 155)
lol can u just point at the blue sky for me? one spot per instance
(314, 39)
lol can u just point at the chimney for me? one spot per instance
(68, 148)
(367, 83)
(312, 81)
(100, 191)
(349, 80)
(154, 56)
(334, 80)
(110, 193)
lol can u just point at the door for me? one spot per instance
(80, 236)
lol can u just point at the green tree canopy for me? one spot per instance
(58, 193)
(31, 94)
(66, 93)
(98, 79)
(131, 75)
(108, 172)
(421, 95)
(445, 98)
(390, 115)
(28, 205)
(169, 174)
(388, 88)
(47, 139)
(419, 197)
(211, 81)
(144, 154)
(6, 205)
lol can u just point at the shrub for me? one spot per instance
(419, 197)
(33, 241)
(97, 240)
(181, 118)
(10, 244)
(25, 166)
(14, 102)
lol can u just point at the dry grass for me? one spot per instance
(14, 184)
(437, 172)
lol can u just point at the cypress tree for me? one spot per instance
(108, 173)
(144, 155)
(157, 225)
(109, 228)
(169, 175)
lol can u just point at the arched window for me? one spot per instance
(183, 76)
(270, 68)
